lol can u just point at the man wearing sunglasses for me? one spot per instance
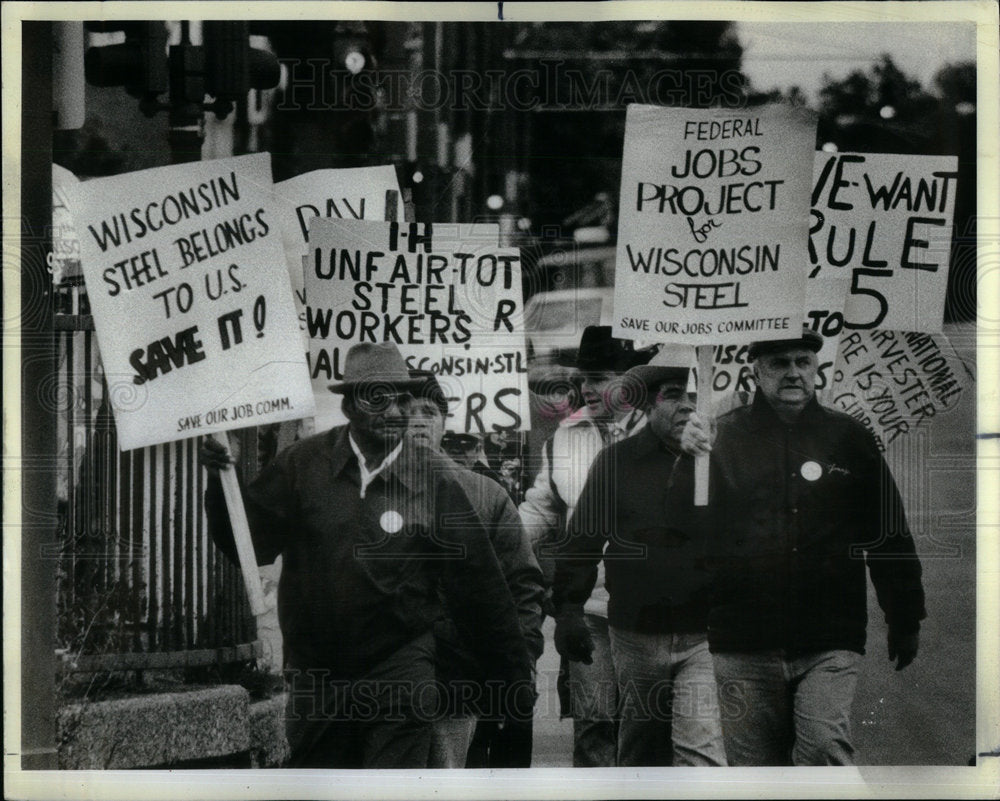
(369, 527)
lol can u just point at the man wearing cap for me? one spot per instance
(548, 505)
(458, 671)
(369, 529)
(800, 502)
(636, 512)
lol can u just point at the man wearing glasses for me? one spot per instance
(368, 528)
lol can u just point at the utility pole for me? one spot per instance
(38, 512)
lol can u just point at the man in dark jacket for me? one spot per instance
(369, 531)
(503, 741)
(638, 502)
(800, 502)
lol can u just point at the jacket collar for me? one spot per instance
(762, 414)
(406, 468)
(646, 442)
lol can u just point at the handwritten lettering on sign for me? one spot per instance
(354, 193)
(885, 220)
(713, 224)
(447, 295)
(893, 381)
(195, 327)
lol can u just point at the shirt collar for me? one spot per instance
(368, 476)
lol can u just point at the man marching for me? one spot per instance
(549, 504)
(801, 501)
(369, 528)
(636, 514)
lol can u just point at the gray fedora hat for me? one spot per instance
(375, 363)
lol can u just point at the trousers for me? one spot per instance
(593, 692)
(380, 720)
(784, 710)
(669, 705)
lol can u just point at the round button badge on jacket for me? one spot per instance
(391, 521)
(811, 471)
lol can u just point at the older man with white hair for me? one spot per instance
(801, 502)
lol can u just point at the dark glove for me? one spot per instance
(213, 456)
(903, 647)
(572, 635)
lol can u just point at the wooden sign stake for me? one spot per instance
(241, 534)
(703, 408)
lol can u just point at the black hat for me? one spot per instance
(810, 339)
(600, 351)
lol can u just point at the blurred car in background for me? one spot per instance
(577, 290)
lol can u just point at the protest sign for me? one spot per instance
(732, 376)
(446, 294)
(885, 220)
(196, 326)
(64, 261)
(893, 381)
(355, 193)
(713, 224)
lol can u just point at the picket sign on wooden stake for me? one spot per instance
(241, 533)
(703, 408)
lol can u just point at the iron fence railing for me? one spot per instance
(140, 583)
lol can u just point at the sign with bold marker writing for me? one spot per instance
(732, 377)
(885, 222)
(196, 327)
(446, 294)
(894, 381)
(713, 224)
(354, 193)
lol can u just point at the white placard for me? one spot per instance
(191, 302)
(446, 294)
(713, 230)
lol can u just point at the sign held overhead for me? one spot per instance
(713, 224)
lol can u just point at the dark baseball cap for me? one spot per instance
(810, 340)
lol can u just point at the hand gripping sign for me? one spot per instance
(192, 307)
(713, 230)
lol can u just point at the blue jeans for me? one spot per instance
(593, 692)
(668, 700)
(783, 711)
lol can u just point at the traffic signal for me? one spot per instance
(233, 67)
(225, 66)
(139, 64)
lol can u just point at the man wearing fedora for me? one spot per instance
(800, 502)
(548, 505)
(501, 740)
(369, 529)
(636, 513)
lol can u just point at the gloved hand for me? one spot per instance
(903, 647)
(572, 635)
(213, 456)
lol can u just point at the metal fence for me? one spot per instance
(140, 583)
